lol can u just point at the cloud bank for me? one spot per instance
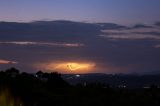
(113, 48)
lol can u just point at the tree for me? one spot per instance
(12, 72)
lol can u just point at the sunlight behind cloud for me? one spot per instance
(68, 67)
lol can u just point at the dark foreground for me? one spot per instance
(49, 89)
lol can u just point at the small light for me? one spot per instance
(77, 75)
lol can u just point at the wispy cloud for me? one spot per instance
(132, 34)
(7, 62)
(154, 29)
(131, 37)
(157, 46)
(43, 43)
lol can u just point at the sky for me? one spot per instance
(80, 36)
(121, 11)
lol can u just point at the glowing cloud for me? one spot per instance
(7, 62)
(68, 67)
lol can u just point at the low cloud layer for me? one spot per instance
(138, 33)
(42, 43)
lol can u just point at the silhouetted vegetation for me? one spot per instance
(49, 89)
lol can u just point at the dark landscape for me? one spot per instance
(40, 89)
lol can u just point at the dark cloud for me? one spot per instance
(157, 23)
(111, 26)
(141, 26)
(148, 33)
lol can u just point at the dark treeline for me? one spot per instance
(49, 89)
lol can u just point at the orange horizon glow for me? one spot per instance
(68, 67)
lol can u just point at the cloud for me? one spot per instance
(130, 30)
(111, 26)
(141, 26)
(7, 62)
(157, 46)
(157, 23)
(131, 37)
(43, 43)
(67, 66)
(140, 33)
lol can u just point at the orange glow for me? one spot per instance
(69, 67)
(76, 66)
(6, 99)
(7, 62)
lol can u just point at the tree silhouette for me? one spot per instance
(12, 72)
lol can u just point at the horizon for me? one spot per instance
(52, 20)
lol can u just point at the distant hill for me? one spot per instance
(117, 80)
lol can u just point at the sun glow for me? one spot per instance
(69, 67)
(77, 66)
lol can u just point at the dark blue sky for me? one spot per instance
(118, 11)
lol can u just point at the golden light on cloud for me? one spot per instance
(7, 62)
(76, 66)
(68, 67)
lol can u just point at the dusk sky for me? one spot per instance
(80, 36)
(118, 11)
